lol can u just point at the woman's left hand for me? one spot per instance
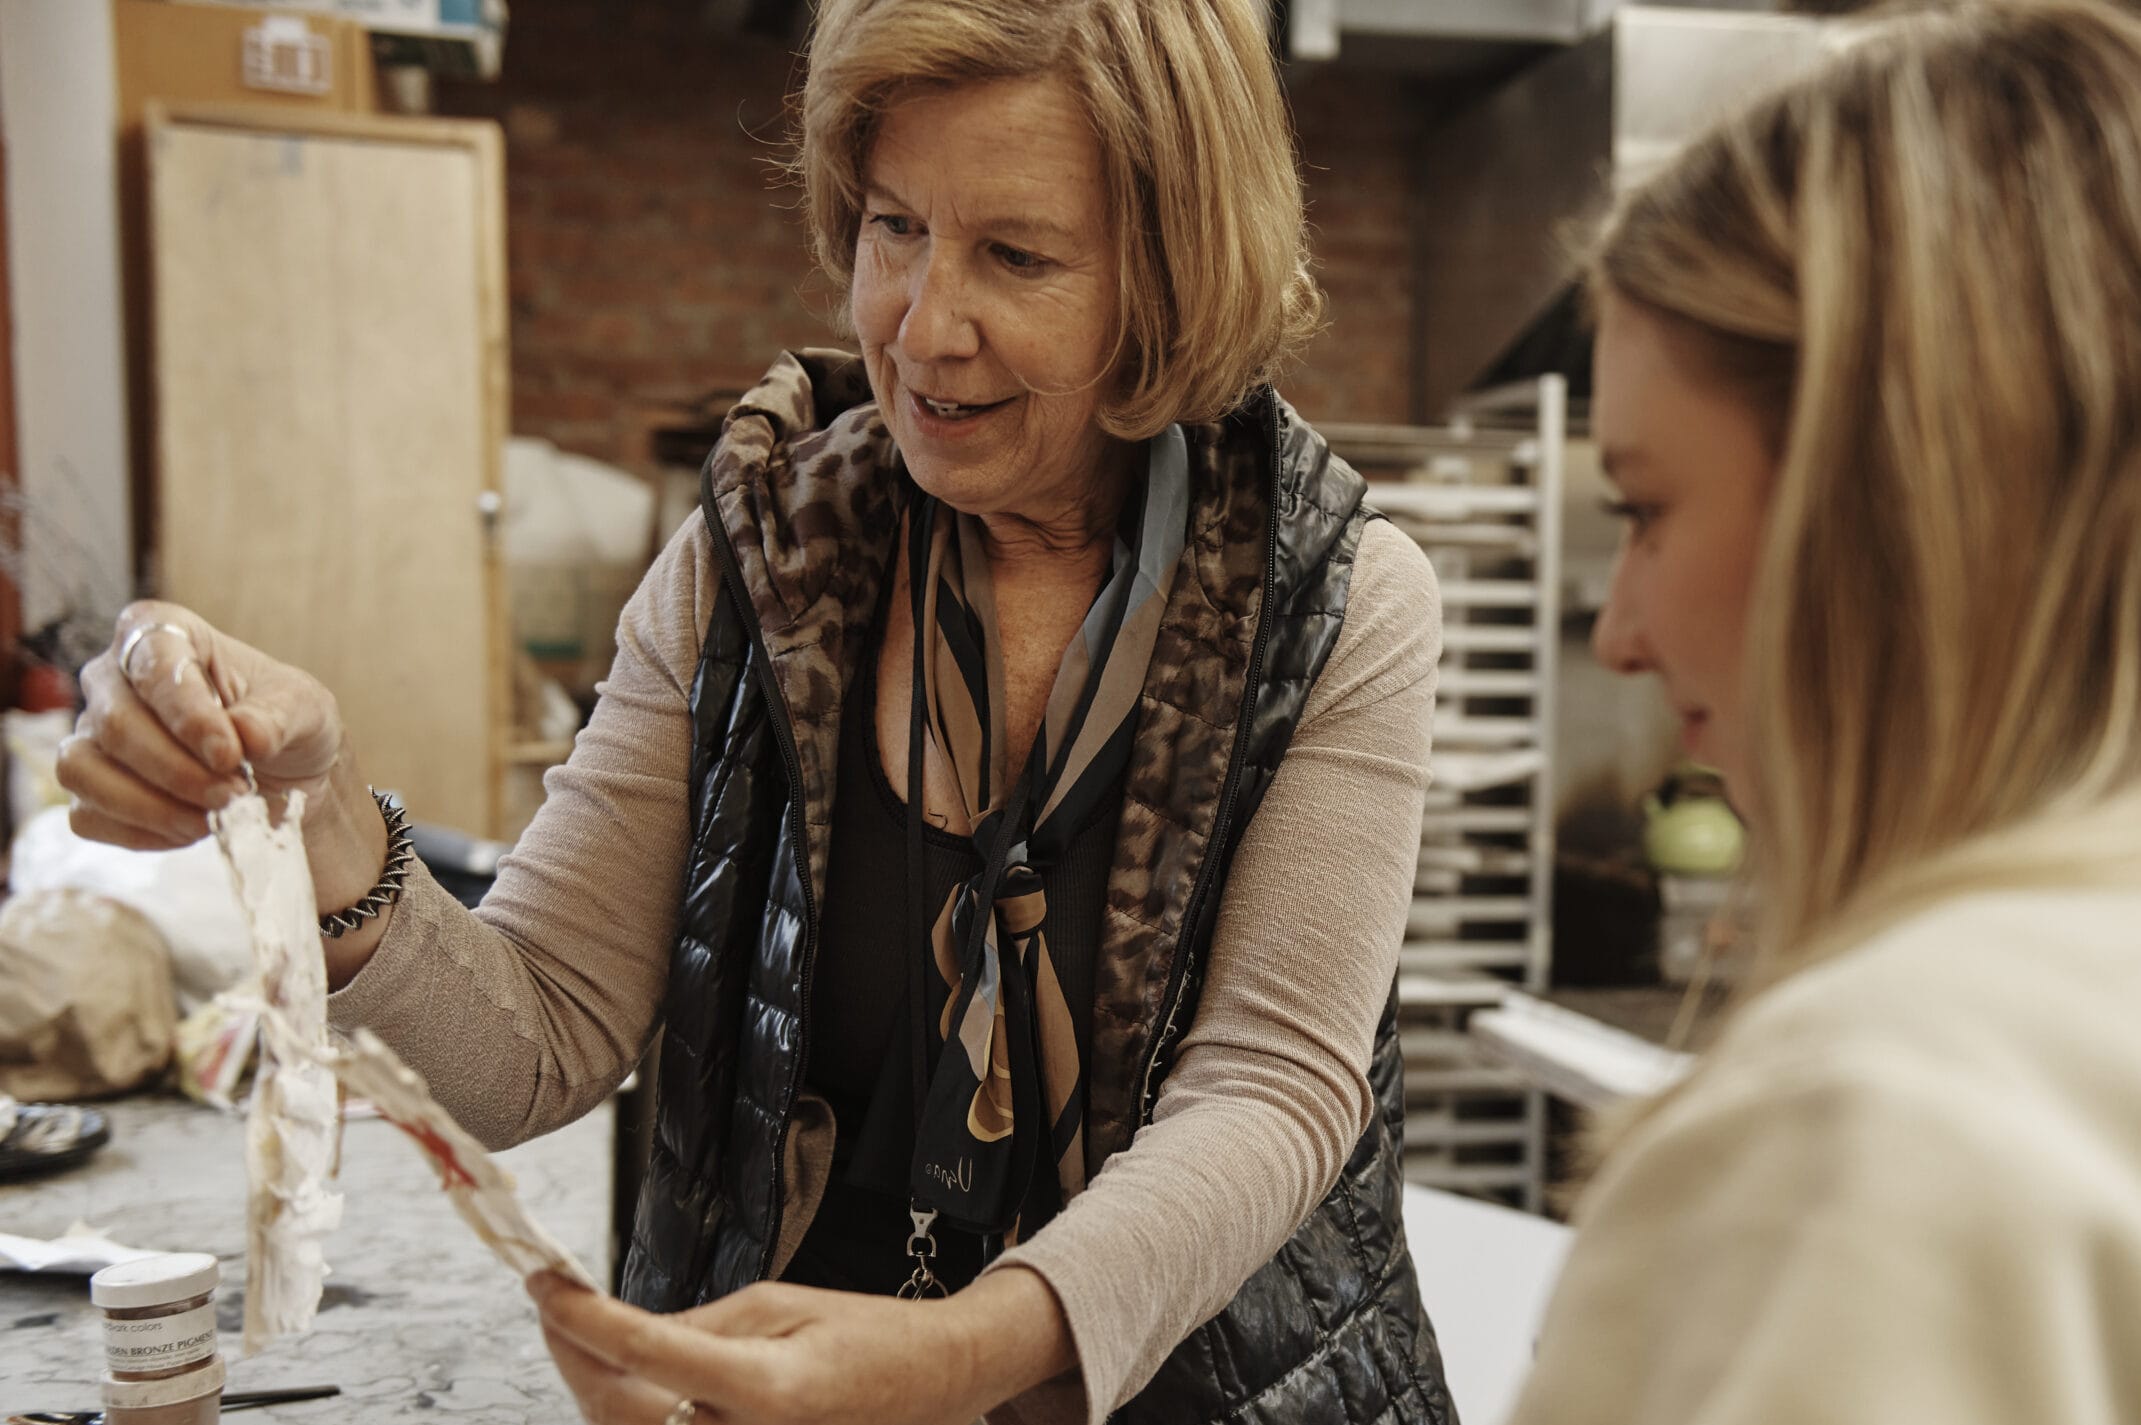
(774, 1354)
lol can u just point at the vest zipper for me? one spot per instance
(784, 734)
(1179, 974)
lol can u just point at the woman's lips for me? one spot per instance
(1691, 728)
(954, 427)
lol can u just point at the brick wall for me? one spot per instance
(651, 259)
(1360, 136)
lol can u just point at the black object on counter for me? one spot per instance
(46, 1137)
(463, 865)
(240, 1400)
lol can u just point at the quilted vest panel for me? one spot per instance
(1332, 1328)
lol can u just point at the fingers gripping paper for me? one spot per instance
(292, 1132)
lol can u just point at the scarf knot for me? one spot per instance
(1006, 1092)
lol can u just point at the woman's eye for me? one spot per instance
(1018, 258)
(897, 224)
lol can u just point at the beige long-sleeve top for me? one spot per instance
(526, 1013)
(1905, 1188)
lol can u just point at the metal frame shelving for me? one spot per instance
(1483, 496)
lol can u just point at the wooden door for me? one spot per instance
(194, 54)
(330, 402)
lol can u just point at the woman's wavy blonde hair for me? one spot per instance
(1922, 265)
(1196, 147)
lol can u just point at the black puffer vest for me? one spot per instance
(803, 509)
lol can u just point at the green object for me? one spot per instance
(1690, 829)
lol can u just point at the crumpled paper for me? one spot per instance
(214, 1049)
(294, 1128)
(87, 1007)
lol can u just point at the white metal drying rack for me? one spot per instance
(1482, 496)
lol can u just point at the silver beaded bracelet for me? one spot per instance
(400, 852)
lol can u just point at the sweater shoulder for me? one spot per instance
(1391, 638)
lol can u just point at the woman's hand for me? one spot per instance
(175, 710)
(774, 1354)
(164, 733)
(168, 728)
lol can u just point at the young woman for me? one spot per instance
(1870, 388)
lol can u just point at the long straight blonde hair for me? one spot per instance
(1922, 265)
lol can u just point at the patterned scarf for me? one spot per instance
(1008, 1089)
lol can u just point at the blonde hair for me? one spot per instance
(1204, 197)
(1922, 266)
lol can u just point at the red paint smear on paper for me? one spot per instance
(451, 1173)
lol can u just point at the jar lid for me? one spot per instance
(155, 1281)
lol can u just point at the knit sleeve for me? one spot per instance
(1269, 1091)
(527, 1012)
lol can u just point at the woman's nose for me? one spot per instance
(1617, 638)
(937, 326)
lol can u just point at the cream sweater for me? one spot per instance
(1904, 1189)
(528, 1012)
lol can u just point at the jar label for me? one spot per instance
(189, 1385)
(160, 1343)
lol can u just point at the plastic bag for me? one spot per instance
(186, 894)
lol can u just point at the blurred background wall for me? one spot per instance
(655, 253)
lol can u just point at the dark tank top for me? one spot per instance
(858, 997)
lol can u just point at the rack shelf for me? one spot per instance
(1484, 501)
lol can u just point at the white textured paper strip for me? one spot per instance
(481, 1191)
(291, 1136)
(291, 1133)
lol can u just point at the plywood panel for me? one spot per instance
(168, 54)
(329, 353)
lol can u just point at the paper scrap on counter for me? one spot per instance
(82, 1250)
(1573, 1056)
(292, 1131)
(214, 1047)
(482, 1191)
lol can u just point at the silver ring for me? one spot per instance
(126, 649)
(682, 1413)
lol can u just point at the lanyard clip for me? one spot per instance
(922, 1247)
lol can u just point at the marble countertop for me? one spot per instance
(419, 1321)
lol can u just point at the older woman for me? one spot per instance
(1870, 385)
(1005, 798)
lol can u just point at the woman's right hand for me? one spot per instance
(174, 710)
